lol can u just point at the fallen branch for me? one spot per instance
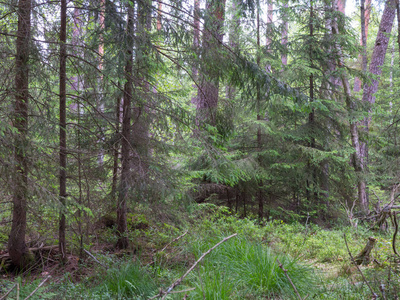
(9, 291)
(173, 292)
(395, 233)
(95, 259)
(39, 286)
(174, 240)
(290, 280)
(358, 268)
(178, 282)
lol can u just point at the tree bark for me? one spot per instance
(365, 9)
(207, 99)
(17, 248)
(63, 129)
(379, 53)
(285, 35)
(125, 180)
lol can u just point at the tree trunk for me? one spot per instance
(378, 55)
(207, 99)
(377, 60)
(285, 35)
(63, 129)
(353, 130)
(18, 251)
(365, 9)
(269, 31)
(196, 44)
(259, 142)
(125, 181)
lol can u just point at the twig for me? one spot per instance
(38, 287)
(290, 280)
(358, 268)
(395, 234)
(95, 259)
(177, 282)
(174, 240)
(9, 291)
(173, 292)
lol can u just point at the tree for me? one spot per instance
(125, 179)
(207, 97)
(16, 244)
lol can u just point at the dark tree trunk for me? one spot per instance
(125, 180)
(63, 128)
(17, 248)
(260, 199)
(116, 150)
(207, 99)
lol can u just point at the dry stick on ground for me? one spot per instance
(174, 292)
(9, 291)
(174, 240)
(290, 280)
(39, 286)
(176, 283)
(95, 259)
(395, 233)
(358, 268)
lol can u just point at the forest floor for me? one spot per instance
(248, 265)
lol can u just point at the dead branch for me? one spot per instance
(38, 287)
(358, 268)
(174, 240)
(173, 292)
(177, 282)
(290, 280)
(9, 291)
(395, 233)
(95, 259)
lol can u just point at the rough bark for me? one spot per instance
(285, 30)
(125, 181)
(365, 9)
(379, 53)
(270, 11)
(196, 43)
(353, 128)
(16, 244)
(207, 99)
(63, 129)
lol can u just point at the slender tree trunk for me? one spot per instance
(285, 31)
(365, 9)
(259, 142)
(16, 244)
(207, 99)
(63, 129)
(125, 181)
(270, 11)
(353, 129)
(196, 44)
(116, 150)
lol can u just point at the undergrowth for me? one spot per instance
(243, 267)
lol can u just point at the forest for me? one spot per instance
(199, 149)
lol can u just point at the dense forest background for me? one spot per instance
(117, 112)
